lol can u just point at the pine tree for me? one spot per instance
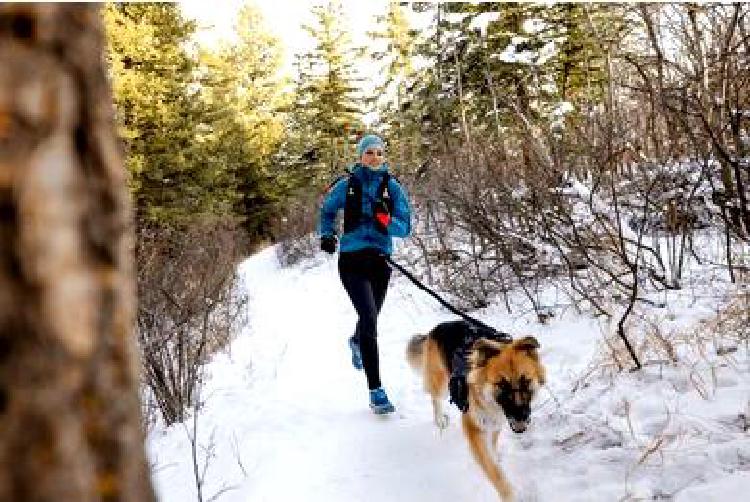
(430, 98)
(152, 77)
(241, 130)
(390, 102)
(328, 102)
(493, 61)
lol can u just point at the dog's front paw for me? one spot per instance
(442, 421)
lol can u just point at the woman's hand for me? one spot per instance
(328, 243)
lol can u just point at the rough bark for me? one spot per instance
(69, 413)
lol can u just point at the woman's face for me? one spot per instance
(373, 157)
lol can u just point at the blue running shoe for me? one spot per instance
(379, 403)
(356, 354)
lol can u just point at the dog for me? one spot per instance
(502, 380)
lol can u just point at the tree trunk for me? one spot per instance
(69, 411)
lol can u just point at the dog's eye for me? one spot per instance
(524, 383)
(503, 385)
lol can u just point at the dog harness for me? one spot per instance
(473, 330)
(459, 391)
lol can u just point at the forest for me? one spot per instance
(560, 157)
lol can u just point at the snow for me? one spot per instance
(511, 54)
(558, 115)
(562, 108)
(481, 21)
(534, 26)
(286, 417)
(547, 52)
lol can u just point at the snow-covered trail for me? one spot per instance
(295, 413)
(287, 415)
(321, 442)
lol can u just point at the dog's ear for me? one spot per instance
(527, 343)
(483, 350)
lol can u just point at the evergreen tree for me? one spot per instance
(327, 110)
(396, 59)
(492, 61)
(429, 102)
(241, 129)
(200, 127)
(151, 76)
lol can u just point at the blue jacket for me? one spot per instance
(366, 235)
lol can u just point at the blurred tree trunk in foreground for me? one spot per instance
(69, 415)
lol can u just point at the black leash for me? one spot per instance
(495, 334)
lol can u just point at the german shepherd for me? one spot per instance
(502, 380)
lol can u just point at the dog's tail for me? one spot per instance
(415, 351)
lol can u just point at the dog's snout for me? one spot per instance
(518, 426)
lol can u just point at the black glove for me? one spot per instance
(459, 392)
(328, 243)
(382, 217)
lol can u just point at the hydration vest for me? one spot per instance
(353, 203)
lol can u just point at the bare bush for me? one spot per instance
(605, 203)
(208, 449)
(691, 75)
(189, 306)
(295, 230)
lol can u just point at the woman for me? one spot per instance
(376, 208)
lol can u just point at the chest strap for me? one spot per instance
(353, 204)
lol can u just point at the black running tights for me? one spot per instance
(365, 275)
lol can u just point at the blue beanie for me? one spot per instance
(367, 142)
